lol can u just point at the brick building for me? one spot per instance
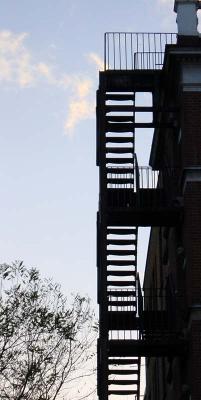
(162, 321)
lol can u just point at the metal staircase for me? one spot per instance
(118, 269)
(123, 371)
(130, 196)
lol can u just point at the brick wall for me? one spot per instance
(191, 141)
(191, 129)
(195, 360)
(192, 239)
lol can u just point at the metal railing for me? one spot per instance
(129, 51)
(159, 315)
(143, 186)
(148, 60)
(148, 178)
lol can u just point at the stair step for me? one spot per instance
(123, 315)
(121, 242)
(122, 392)
(123, 372)
(120, 118)
(122, 303)
(119, 150)
(123, 160)
(143, 108)
(121, 181)
(119, 108)
(123, 252)
(121, 293)
(119, 263)
(121, 283)
(120, 170)
(124, 361)
(114, 139)
(119, 97)
(121, 273)
(113, 231)
(120, 127)
(123, 382)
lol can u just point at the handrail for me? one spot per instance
(136, 172)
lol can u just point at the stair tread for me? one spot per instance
(121, 273)
(121, 262)
(120, 118)
(110, 122)
(123, 382)
(121, 283)
(121, 293)
(114, 139)
(119, 150)
(120, 160)
(120, 170)
(122, 252)
(121, 181)
(121, 242)
(124, 361)
(122, 392)
(122, 313)
(122, 231)
(119, 127)
(122, 303)
(119, 97)
(119, 108)
(123, 372)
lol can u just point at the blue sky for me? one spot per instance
(50, 53)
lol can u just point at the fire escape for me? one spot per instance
(132, 325)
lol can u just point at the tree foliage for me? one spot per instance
(43, 339)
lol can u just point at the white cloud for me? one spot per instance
(46, 72)
(83, 87)
(19, 67)
(10, 42)
(5, 70)
(96, 59)
(78, 110)
(25, 73)
(81, 105)
(15, 59)
(17, 64)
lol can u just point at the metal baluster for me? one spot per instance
(149, 48)
(119, 51)
(105, 61)
(143, 48)
(155, 49)
(125, 39)
(108, 49)
(131, 39)
(114, 61)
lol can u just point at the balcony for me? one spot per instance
(144, 196)
(153, 328)
(135, 51)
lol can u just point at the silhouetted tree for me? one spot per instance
(43, 339)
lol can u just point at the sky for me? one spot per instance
(50, 55)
